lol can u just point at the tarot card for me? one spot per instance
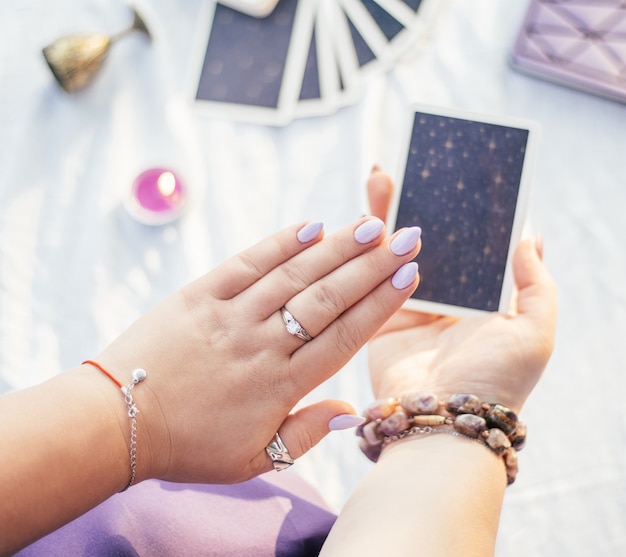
(464, 181)
(579, 44)
(365, 29)
(415, 16)
(334, 21)
(321, 83)
(252, 69)
(377, 29)
(328, 66)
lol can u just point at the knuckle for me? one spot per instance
(278, 384)
(295, 277)
(258, 465)
(249, 266)
(329, 299)
(346, 337)
(305, 441)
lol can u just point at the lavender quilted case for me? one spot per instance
(580, 43)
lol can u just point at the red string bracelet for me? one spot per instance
(138, 375)
(109, 375)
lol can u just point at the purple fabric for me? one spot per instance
(275, 514)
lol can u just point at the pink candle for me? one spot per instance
(157, 197)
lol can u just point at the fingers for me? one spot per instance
(240, 272)
(315, 361)
(379, 192)
(298, 273)
(537, 296)
(537, 292)
(325, 300)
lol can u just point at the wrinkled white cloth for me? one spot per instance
(75, 270)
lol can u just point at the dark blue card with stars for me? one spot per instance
(465, 183)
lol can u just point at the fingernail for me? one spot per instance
(539, 246)
(369, 231)
(345, 421)
(309, 232)
(404, 276)
(375, 169)
(406, 241)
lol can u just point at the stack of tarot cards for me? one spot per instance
(303, 58)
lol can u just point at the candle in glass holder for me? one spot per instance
(157, 197)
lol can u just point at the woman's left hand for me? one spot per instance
(497, 357)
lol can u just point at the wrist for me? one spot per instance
(458, 457)
(125, 417)
(443, 494)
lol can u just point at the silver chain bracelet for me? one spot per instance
(138, 375)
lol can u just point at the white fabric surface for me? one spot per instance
(75, 270)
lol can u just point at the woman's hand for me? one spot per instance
(498, 357)
(418, 489)
(223, 373)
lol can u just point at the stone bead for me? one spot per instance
(510, 461)
(370, 434)
(429, 419)
(370, 451)
(470, 425)
(497, 441)
(464, 404)
(394, 424)
(420, 403)
(381, 409)
(501, 417)
(518, 438)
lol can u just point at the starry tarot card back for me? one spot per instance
(464, 181)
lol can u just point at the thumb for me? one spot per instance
(537, 292)
(537, 297)
(304, 429)
(379, 192)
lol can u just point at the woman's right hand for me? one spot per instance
(223, 374)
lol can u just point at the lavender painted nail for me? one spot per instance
(404, 242)
(404, 276)
(345, 421)
(368, 231)
(309, 232)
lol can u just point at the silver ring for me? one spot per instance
(279, 454)
(293, 327)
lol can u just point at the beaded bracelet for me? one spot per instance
(493, 425)
(138, 375)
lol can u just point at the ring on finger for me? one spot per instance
(293, 326)
(279, 454)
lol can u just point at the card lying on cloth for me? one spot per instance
(306, 58)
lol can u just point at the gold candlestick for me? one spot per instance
(76, 59)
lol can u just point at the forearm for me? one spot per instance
(63, 450)
(439, 495)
